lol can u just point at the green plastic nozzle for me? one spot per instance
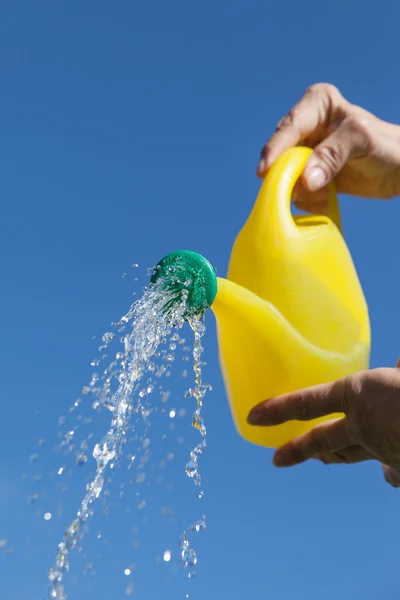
(187, 270)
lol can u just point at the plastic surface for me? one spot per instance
(185, 269)
(292, 312)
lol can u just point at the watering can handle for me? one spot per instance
(278, 186)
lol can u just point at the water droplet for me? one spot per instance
(145, 412)
(127, 571)
(165, 396)
(188, 558)
(167, 556)
(108, 337)
(191, 467)
(172, 414)
(129, 589)
(140, 477)
(47, 516)
(81, 459)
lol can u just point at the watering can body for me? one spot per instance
(291, 312)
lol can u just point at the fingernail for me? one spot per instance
(278, 461)
(315, 178)
(253, 417)
(258, 416)
(296, 193)
(261, 166)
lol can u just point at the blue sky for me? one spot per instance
(127, 130)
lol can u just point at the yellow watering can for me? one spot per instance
(291, 313)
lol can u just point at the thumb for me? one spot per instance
(331, 155)
(391, 475)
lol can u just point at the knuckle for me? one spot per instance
(331, 157)
(319, 442)
(324, 459)
(362, 128)
(303, 409)
(342, 457)
(288, 120)
(323, 89)
(347, 389)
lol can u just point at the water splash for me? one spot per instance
(152, 318)
(198, 392)
(188, 554)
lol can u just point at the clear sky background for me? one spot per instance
(129, 129)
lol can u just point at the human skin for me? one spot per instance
(361, 154)
(370, 429)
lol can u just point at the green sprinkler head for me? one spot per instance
(187, 270)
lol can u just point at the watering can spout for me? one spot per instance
(189, 275)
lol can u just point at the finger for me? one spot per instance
(350, 139)
(331, 436)
(311, 113)
(313, 202)
(349, 455)
(303, 405)
(391, 475)
(398, 364)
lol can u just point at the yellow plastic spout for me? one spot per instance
(292, 312)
